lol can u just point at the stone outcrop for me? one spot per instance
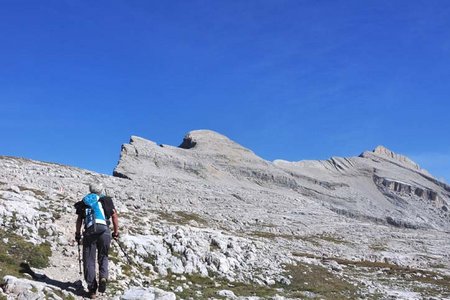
(210, 157)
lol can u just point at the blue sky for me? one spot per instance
(288, 79)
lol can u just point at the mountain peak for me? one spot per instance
(212, 142)
(201, 137)
(382, 151)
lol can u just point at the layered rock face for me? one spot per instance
(210, 219)
(378, 185)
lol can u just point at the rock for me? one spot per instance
(333, 265)
(27, 289)
(15, 189)
(139, 293)
(227, 293)
(179, 289)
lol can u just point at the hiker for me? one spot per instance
(94, 211)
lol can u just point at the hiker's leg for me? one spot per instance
(103, 244)
(89, 248)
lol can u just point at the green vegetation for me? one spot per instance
(181, 217)
(44, 209)
(210, 286)
(427, 283)
(269, 235)
(186, 217)
(35, 191)
(126, 269)
(438, 266)
(304, 278)
(113, 255)
(56, 215)
(318, 280)
(43, 233)
(331, 238)
(304, 254)
(313, 239)
(113, 288)
(14, 221)
(150, 259)
(15, 250)
(378, 246)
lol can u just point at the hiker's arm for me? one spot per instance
(78, 230)
(115, 221)
(78, 225)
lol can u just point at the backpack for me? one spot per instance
(94, 213)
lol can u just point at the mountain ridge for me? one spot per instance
(213, 157)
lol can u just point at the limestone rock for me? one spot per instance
(139, 293)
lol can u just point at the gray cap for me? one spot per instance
(96, 188)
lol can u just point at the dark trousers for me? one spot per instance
(94, 243)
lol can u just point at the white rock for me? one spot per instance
(227, 293)
(139, 293)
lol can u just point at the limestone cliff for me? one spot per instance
(372, 186)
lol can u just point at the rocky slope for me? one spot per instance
(211, 219)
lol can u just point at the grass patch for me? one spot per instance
(186, 217)
(35, 191)
(378, 247)
(438, 266)
(331, 238)
(113, 255)
(318, 280)
(182, 217)
(113, 288)
(126, 269)
(210, 286)
(56, 215)
(313, 239)
(267, 235)
(304, 254)
(271, 235)
(14, 250)
(150, 259)
(44, 209)
(14, 221)
(43, 233)
(427, 283)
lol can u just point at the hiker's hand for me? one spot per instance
(115, 235)
(78, 238)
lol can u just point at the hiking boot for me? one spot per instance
(102, 285)
(92, 295)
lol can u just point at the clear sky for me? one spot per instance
(288, 79)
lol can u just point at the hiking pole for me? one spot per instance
(123, 251)
(79, 257)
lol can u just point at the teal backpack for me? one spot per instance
(94, 213)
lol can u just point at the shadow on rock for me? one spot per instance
(75, 287)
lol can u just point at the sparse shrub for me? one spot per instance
(15, 250)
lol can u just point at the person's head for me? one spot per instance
(96, 188)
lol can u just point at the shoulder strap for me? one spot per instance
(108, 206)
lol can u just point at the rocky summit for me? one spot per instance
(210, 219)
